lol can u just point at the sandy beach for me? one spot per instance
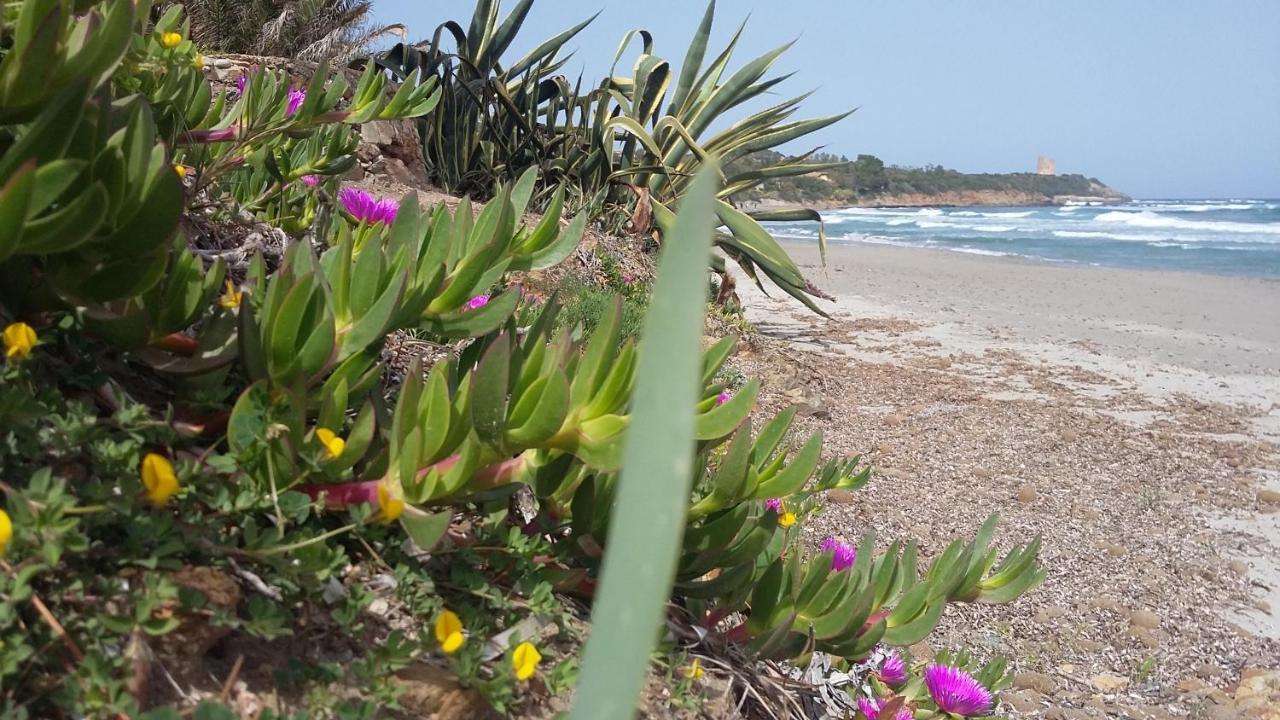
(1132, 419)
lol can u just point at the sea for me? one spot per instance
(1230, 237)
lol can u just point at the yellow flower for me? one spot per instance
(389, 505)
(333, 444)
(181, 170)
(449, 632)
(198, 61)
(231, 298)
(6, 531)
(525, 660)
(19, 339)
(695, 671)
(787, 519)
(158, 479)
(171, 40)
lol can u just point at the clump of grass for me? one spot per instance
(585, 304)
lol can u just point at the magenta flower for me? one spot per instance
(296, 98)
(627, 279)
(871, 708)
(774, 504)
(477, 302)
(240, 82)
(310, 180)
(893, 671)
(364, 208)
(723, 398)
(956, 691)
(842, 554)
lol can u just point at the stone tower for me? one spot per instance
(1046, 166)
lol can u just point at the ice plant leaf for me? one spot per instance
(648, 515)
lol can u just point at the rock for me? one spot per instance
(1257, 695)
(1109, 683)
(1024, 701)
(894, 420)
(921, 651)
(222, 63)
(1145, 618)
(1192, 685)
(427, 691)
(1269, 497)
(1238, 567)
(397, 170)
(1207, 671)
(1144, 636)
(983, 473)
(354, 174)
(397, 139)
(1039, 682)
(841, 497)
(1027, 494)
(1116, 550)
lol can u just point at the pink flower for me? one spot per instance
(627, 279)
(364, 208)
(871, 708)
(893, 671)
(774, 504)
(240, 82)
(956, 691)
(843, 555)
(723, 398)
(477, 302)
(310, 180)
(296, 98)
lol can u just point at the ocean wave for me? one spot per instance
(1020, 214)
(995, 228)
(1097, 235)
(1148, 219)
(1198, 207)
(980, 251)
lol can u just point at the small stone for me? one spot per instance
(1027, 494)
(1036, 681)
(1024, 701)
(1191, 685)
(983, 473)
(1207, 671)
(222, 63)
(1269, 497)
(1145, 618)
(1109, 683)
(840, 497)
(1238, 567)
(1144, 636)
(894, 420)
(1116, 550)
(921, 651)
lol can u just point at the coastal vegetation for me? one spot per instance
(867, 180)
(261, 424)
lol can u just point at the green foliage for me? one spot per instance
(623, 144)
(169, 413)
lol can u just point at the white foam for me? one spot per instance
(1021, 214)
(995, 228)
(1148, 219)
(1093, 234)
(980, 251)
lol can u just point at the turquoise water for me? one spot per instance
(1232, 237)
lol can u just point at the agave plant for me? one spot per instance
(630, 143)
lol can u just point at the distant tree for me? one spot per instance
(869, 176)
(304, 29)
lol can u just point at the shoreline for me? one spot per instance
(1131, 418)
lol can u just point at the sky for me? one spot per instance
(1157, 98)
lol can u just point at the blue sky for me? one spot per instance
(1159, 98)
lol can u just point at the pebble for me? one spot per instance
(1145, 618)
(1116, 550)
(1039, 682)
(1027, 494)
(1109, 683)
(1024, 701)
(1269, 497)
